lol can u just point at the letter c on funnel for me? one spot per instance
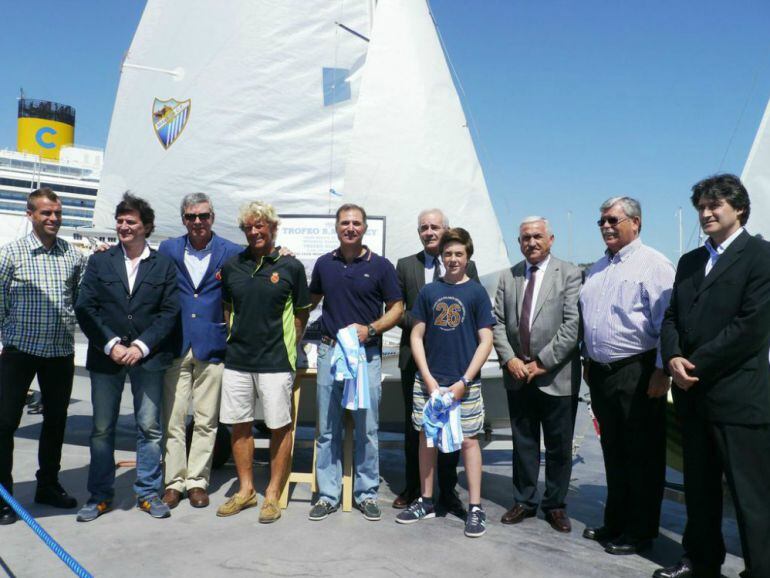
(40, 134)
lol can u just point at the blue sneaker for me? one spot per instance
(417, 510)
(92, 509)
(476, 523)
(154, 506)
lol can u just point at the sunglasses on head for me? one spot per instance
(192, 216)
(611, 221)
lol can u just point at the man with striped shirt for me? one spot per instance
(39, 279)
(623, 300)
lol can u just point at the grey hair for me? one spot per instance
(424, 212)
(537, 219)
(194, 199)
(630, 206)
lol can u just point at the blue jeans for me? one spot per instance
(330, 430)
(106, 391)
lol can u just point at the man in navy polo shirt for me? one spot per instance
(354, 284)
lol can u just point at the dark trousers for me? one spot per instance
(633, 438)
(54, 375)
(446, 464)
(530, 408)
(742, 454)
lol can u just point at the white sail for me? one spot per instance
(411, 147)
(260, 99)
(756, 178)
(269, 113)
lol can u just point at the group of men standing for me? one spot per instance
(157, 317)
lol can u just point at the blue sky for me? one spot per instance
(571, 102)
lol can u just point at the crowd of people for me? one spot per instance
(206, 323)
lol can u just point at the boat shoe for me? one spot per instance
(236, 503)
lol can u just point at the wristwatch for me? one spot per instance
(371, 331)
(465, 380)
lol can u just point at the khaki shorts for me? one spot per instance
(240, 390)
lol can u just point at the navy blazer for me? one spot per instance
(106, 309)
(202, 326)
(721, 323)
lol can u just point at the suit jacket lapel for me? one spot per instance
(217, 252)
(700, 272)
(545, 287)
(118, 260)
(519, 276)
(725, 261)
(419, 269)
(180, 253)
(145, 267)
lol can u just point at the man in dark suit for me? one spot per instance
(127, 307)
(536, 338)
(200, 339)
(414, 273)
(715, 344)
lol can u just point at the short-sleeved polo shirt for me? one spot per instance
(264, 295)
(353, 292)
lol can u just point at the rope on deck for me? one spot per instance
(43, 535)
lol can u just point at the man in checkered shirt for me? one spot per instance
(39, 279)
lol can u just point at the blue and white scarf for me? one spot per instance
(348, 364)
(442, 422)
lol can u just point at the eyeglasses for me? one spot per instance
(611, 221)
(192, 216)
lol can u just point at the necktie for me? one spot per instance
(526, 309)
(436, 269)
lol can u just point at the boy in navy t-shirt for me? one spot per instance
(450, 342)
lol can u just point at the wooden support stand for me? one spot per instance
(296, 477)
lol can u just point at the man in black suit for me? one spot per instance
(414, 272)
(127, 307)
(715, 344)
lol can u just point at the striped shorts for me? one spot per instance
(471, 407)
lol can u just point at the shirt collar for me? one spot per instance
(542, 266)
(722, 247)
(367, 256)
(35, 244)
(190, 249)
(429, 259)
(273, 256)
(625, 252)
(142, 257)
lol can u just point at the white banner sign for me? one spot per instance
(310, 236)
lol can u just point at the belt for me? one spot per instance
(328, 341)
(615, 365)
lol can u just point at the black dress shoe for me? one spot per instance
(683, 569)
(625, 546)
(7, 515)
(54, 495)
(600, 534)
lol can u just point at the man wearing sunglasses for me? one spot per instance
(199, 349)
(623, 300)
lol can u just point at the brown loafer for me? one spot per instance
(198, 497)
(558, 519)
(518, 513)
(171, 498)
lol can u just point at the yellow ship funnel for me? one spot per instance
(44, 127)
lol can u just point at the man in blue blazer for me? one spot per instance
(199, 349)
(127, 307)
